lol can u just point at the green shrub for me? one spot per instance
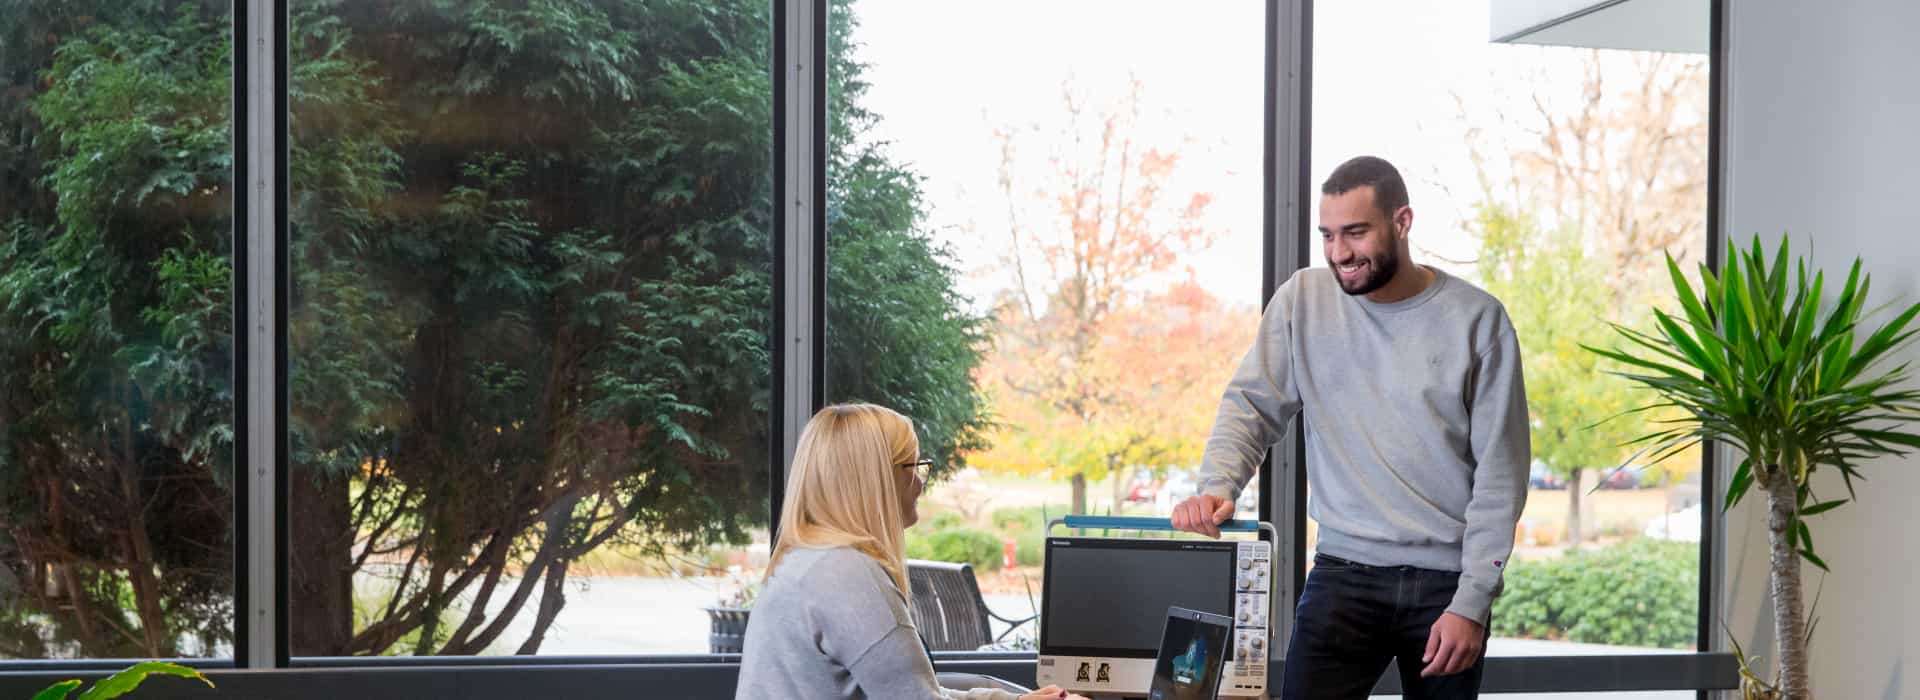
(1642, 593)
(944, 520)
(947, 536)
(1027, 525)
(919, 546)
(1030, 548)
(1024, 519)
(961, 545)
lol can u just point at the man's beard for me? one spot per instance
(1380, 270)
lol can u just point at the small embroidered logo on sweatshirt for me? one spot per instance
(1499, 564)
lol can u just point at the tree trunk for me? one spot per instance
(320, 564)
(494, 562)
(437, 601)
(552, 598)
(90, 639)
(1079, 494)
(552, 546)
(1119, 489)
(156, 635)
(142, 566)
(1789, 627)
(1576, 490)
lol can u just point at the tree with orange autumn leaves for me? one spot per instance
(1107, 353)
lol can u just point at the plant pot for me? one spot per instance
(729, 630)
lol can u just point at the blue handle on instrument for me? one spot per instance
(1122, 522)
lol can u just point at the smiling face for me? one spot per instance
(1363, 244)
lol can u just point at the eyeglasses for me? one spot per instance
(921, 469)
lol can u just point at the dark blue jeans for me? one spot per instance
(1352, 619)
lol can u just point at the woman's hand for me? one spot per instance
(1052, 692)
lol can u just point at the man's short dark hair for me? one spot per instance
(1389, 191)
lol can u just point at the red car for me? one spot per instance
(1632, 476)
(1143, 488)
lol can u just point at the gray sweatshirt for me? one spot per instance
(1416, 415)
(831, 624)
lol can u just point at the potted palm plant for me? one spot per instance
(1795, 385)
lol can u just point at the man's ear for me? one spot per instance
(1403, 220)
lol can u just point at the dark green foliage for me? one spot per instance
(531, 297)
(115, 393)
(897, 333)
(1641, 593)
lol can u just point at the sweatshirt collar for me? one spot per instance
(1439, 280)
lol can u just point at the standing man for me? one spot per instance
(1417, 449)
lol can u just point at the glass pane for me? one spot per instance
(1553, 177)
(1635, 695)
(529, 359)
(1047, 254)
(116, 293)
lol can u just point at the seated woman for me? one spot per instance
(832, 620)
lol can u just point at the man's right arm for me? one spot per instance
(1256, 405)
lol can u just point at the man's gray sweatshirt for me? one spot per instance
(1416, 419)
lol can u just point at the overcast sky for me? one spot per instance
(1391, 78)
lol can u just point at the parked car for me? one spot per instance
(1631, 476)
(1180, 485)
(1143, 487)
(1540, 476)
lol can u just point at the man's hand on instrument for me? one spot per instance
(1202, 514)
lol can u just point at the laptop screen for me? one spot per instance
(1193, 653)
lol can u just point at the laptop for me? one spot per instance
(1193, 655)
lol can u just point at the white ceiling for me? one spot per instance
(1680, 26)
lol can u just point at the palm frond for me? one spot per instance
(1754, 359)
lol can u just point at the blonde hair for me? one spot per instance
(842, 490)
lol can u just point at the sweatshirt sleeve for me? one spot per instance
(866, 626)
(1498, 435)
(897, 667)
(1256, 405)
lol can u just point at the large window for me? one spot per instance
(534, 261)
(1553, 177)
(1048, 254)
(528, 354)
(116, 398)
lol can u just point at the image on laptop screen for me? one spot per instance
(1193, 652)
